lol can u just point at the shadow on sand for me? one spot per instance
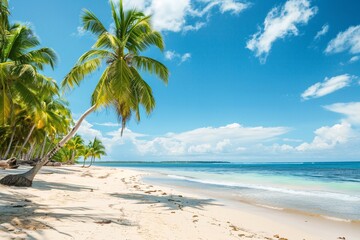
(20, 217)
(170, 202)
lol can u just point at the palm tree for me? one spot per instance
(76, 146)
(121, 85)
(96, 149)
(19, 65)
(85, 153)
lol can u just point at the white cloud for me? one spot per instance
(195, 27)
(108, 124)
(208, 140)
(280, 23)
(176, 15)
(233, 141)
(87, 131)
(232, 6)
(80, 31)
(354, 59)
(172, 55)
(291, 140)
(328, 137)
(322, 32)
(328, 86)
(349, 40)
(185, 57)
(350, 110)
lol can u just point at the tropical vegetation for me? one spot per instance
(25, 90)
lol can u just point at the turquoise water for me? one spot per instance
(329, 189)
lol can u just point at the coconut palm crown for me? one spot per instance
(120, 86)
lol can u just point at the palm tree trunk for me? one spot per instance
(31, 150)
(27, 139)
(26, 179)
(13, 152)
(72, 157)
(84, 163)
(91, 162)
(43, 147)
(11, 140)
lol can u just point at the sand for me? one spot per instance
(110, 203)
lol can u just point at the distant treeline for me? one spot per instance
(166, 162)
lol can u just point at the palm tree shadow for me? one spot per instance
(170, 202)
(12, 219)
(20, 217)
(46, 185)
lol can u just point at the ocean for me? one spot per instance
(329, 189)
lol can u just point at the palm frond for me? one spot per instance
(96, 53)
(107, 40)
(152, 66)
(40, 57)
(144, 92)
(79, 71)
(5, 106)
(119, 77)
(92, 23)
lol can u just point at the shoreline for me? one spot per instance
(105, 202)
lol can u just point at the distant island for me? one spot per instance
(170, 162)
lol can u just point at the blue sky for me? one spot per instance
(250, 80)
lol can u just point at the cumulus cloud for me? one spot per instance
(232, 141)
(329, 85)
(87, 131)
(172, 55)
(280, 23)
(209, 140)
(349, 40)
(354, 59)
(351, 111)
(328, 137)
(176, 16)
(232, 6)
(109, 139)
(322, 32)
(108, 124)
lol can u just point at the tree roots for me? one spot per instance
(17, 180)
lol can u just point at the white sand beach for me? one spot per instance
(111, 203)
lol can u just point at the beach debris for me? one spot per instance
(105, 221)
(234, 228)
(86, 174)
(278, 237)
(150, 191)
(342, 238)
(19, 205)
(9, 163)
(105, 176)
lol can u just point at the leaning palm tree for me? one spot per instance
(121, 85)
(96, 149)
